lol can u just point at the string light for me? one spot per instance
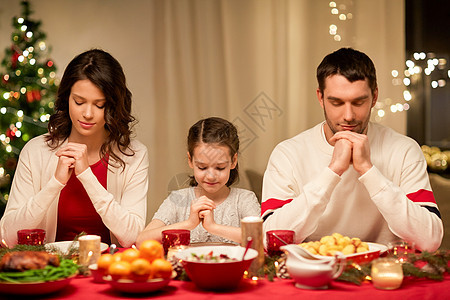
(407, 95)
(341, 16)
(420, 64)
(42, 46)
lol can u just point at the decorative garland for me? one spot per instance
(419, 265)
(3, 250)
(72, 252)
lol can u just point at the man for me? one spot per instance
(348, 175)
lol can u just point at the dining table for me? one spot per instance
(84, 287)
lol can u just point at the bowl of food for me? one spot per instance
(216, 267)
(353, 249)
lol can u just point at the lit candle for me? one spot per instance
(89, 248)
(173, 250)
(387, 273)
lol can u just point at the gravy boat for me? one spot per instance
(311, 271)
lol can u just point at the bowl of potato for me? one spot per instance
(352, 248)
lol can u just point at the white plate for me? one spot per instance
(65, 245)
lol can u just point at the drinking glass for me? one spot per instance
(31, 237)
(276, 239)
(401, 249)
(175, 237)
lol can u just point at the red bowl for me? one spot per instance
(216, 275)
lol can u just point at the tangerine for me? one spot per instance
(119, 270)
(117, 256)
(161, 268)
(104, 261)
(130, 255)
(151, 250)
(141, 269)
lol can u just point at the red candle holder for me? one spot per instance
(175, 237)
(401, 250)
(277, 238)
(31, 237)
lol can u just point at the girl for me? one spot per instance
(209, 208)
(86, 173)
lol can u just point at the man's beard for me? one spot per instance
(333, 129)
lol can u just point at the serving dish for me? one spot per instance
(64, 246)
(34, 288)
(216, 275)
(375, 250)
(310, 272)
(138, 287)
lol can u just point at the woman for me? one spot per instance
(87, 173)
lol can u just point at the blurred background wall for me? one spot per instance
(250, 61)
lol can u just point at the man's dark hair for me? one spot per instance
(352, 64)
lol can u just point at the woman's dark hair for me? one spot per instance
(218, 131)
(106, 73)
(352, 64)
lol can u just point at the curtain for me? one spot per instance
(252, 62)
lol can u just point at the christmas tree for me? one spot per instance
(27, 89)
